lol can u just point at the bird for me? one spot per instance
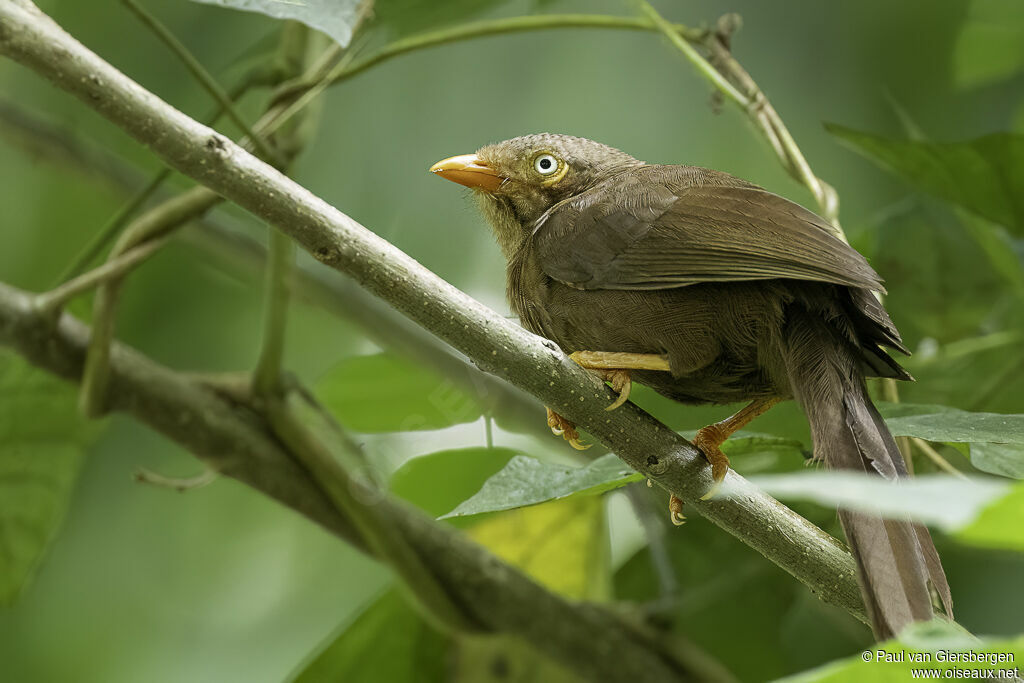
(710, 290)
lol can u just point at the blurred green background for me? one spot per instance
(219, 584)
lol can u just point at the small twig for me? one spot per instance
(182, 484)
(480, 29)
(936, 457)
(154, 224)
(52, 301)
(200, 73)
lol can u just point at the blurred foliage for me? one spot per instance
(42, 440)
(381, 393)
(560, 544)
(220, 584)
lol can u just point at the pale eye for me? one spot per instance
(545, 164)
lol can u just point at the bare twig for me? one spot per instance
(936, 457)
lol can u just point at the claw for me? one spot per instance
(579, 445)
(622, 383)
(675, 510)
(567, 430)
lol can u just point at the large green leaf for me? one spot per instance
(948, 502)
(996, 440)
(381, 393)
(984, 175)
(935, 648)
(336, 18)
(42, 440)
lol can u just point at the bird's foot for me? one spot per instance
(616, 369)
(709, 440)
(565, 429)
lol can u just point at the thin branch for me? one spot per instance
(480, 29)
(52, 301)
(494, 343)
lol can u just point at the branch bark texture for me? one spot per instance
(495, 344)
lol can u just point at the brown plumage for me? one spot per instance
(748, 296)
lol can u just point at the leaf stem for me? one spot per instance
(705, 68)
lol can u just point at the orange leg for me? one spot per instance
(710, 439)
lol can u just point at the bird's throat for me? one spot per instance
(500, 212)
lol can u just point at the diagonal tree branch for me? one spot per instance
(495, 344)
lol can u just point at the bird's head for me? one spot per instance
(519, 179)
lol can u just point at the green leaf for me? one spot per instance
(960, 426)
(528, 481)
(439, 481)
(389, 642)
(984, 175)
(997, 441)
(1000, 524)
(990, 46)
(42, 441)
(336, 18)
(940, 500)
(924, 646)
(561, 545)
(381, 393)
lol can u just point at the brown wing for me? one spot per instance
(658, 227)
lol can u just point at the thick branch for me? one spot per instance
(237, 442)
(495, 344)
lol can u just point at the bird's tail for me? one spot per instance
(896, 559)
